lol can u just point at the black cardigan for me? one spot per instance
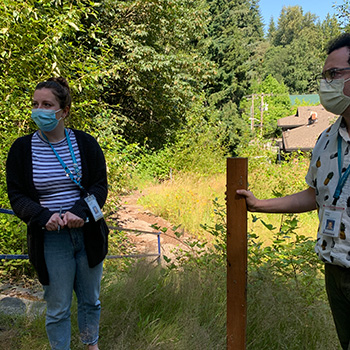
(25, 203)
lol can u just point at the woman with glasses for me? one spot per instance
(57, 184)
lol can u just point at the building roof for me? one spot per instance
(299, 133)
(302, 116)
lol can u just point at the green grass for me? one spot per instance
(144, 308)
(287, 316)
(149, 308)
(187, 200)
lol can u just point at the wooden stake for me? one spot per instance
(237, 174)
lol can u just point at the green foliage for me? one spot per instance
(290, 256)
(284, 279)
(292, 24)
(156, 70)
(119, 244)
(134, 58)
(271, 30)
(330, 29)
(13, 241)
(184, 305)
(267, 176)
(234, 35)
(144, 308)
(36, 43)
(199, 147)
(138, 72)
(280, 317)
(234, 30)
(297, 53)
(343, 14)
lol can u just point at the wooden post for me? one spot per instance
(237, 170)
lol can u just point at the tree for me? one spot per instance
(296, 54)
(328, 29)
(38, 40)
(235, 32)
(132, 65)
(271, 31)
(292, 24)
(156, 71)
(343, 12)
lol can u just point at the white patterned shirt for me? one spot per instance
(323, 176)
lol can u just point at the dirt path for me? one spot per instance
(131, 215)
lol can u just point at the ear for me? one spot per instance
(65, 112)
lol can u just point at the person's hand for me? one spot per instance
(71, 220)
(54, 222)
(251, 200)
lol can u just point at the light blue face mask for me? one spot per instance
(45, 119)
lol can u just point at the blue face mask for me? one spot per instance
(45, 119)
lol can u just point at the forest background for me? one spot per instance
(165, 86)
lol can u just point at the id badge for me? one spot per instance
(331, 220)
(94, 207)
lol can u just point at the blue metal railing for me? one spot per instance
(6, 211)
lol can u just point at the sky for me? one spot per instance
(273, 8)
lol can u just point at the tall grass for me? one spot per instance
(149, 308)
(282, 316)
(152, 308)
(146, 308)
(187, 199)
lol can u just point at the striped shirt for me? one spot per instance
(56, 190)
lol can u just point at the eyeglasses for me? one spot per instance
(331, 74)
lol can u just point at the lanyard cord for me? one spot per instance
(342, 178)
(76, 179)
(75, 164)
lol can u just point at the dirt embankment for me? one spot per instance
(132, 216)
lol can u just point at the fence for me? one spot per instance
(120, 229)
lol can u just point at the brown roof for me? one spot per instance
(304, 136)
(302, 116)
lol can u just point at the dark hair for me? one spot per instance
(60, 89)
(342, 40)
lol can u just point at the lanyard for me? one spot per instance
(342, 178)
(76, 179)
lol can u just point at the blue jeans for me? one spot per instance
(68, 269)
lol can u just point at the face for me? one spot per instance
(339, 59)
(45, 99)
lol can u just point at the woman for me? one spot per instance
(57, 183)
